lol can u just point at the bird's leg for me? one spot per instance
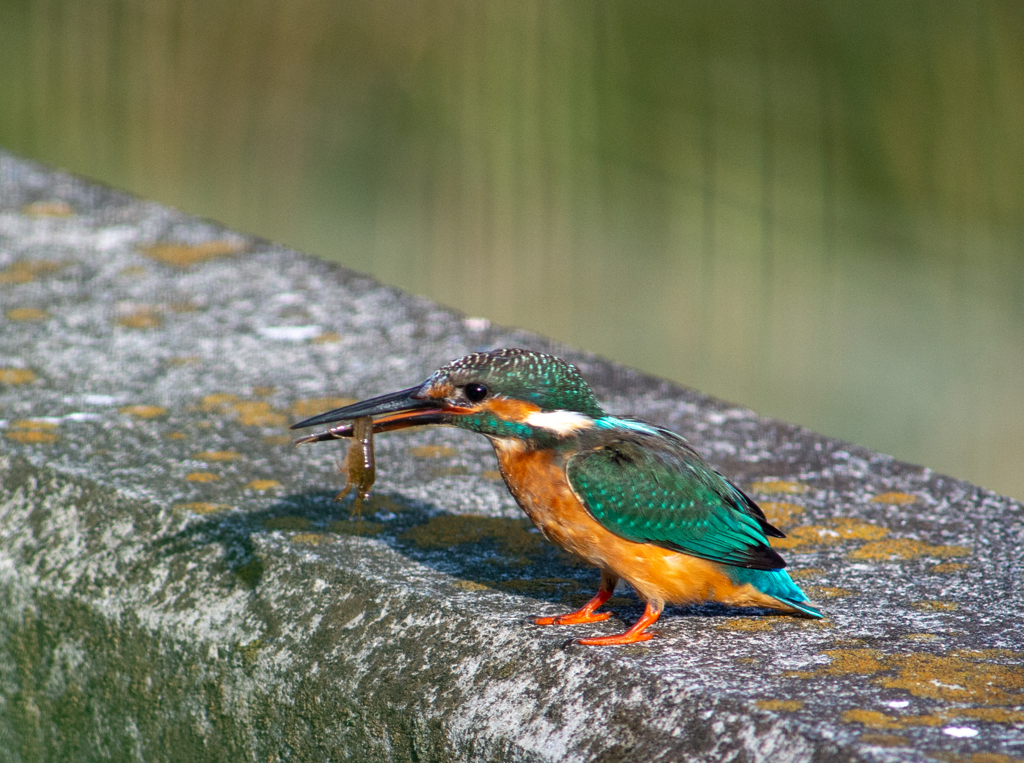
(586, 614)
(634, 634)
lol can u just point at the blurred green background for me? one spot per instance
(815, 209)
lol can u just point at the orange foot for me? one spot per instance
(584, 614)
(632, 636)
(573, 618)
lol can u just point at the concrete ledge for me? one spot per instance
(177, 584)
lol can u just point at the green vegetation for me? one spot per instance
(812, 208)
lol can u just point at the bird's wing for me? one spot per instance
(658, 490)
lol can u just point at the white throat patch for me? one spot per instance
(559, 422)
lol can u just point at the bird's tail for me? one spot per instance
(777, 584)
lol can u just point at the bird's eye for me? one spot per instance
(475, 392)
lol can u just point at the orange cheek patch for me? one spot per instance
(510, 410)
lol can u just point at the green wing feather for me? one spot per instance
(654, 489)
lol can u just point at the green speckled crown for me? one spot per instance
(534, 377)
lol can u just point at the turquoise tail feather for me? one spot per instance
(777, 584)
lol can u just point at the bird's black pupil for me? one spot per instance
(476, 392)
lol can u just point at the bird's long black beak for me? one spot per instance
(397, 410)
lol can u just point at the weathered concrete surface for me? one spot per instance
(177, 583)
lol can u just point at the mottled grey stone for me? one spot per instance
(177, 583)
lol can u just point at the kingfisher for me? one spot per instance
(630, 498)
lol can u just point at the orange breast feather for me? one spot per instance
(658, 575)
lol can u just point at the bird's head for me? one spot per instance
(507, 393)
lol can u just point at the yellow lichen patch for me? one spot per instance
(327, 337)
(987, 677)
(759, 625)
(16, 376)
(787, 705)
(253, 413)
(767, 487)
(809, 572)
(202, 508)
(32, 432)
(921, 637)
(277, 439)
(872, 719)
(978, 757)
(904, 548)
(988, 654)
(263, 391)
(53, 208)
(32, 437)
(854, 529)
(140, 319)
(143, 411)
(994, 757)
(896, 499)
(184, 255)
(218, 401)
(854, 661)
(27, 314)
(949, 567)
(217, 455)
(451, 530)
(828, 592)
(27, 270)
(470, 585)
(990, 714)
(310, 539)
(780, 514)
(132, 271)
(491, 474)
(176, 436)
(830, 533)
(963, 676)
(433, 451)
(263, 485)
(201, 477)
(804, 536)
(286, 523)
(359, 527)
(936, 606)
(183, 307)
(314, 405)
(885, 740)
